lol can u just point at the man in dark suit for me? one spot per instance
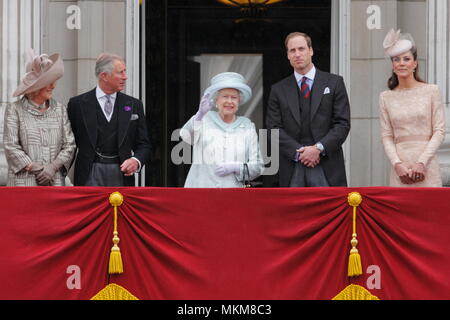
(311, 110)
(110, 129)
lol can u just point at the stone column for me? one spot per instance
(340, 58)
(438, 70)
(20, 30)
(101, 28)
(369, 73)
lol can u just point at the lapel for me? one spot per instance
(320, 83)
(124, 108)
(89, 115)
(292, 90)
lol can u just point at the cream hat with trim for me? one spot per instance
(396, 43)
(40, 72)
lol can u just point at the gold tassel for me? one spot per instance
(354, 263)
(115, 258)
(354, 260)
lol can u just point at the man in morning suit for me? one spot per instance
(311, 110)
(110, 129)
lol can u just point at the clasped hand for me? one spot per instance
(44, 174)
(409, 172)
(129, 167)
(309, 156)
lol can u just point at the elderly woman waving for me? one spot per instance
(225, 146)
(39, 143)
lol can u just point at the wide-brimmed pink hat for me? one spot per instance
(40, 72)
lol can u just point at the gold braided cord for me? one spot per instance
(354, 259)
(115, 258)
(114, 292)
(355, 292)
(115, 219)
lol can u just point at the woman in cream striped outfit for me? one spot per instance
(39, 143)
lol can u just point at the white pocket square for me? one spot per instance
(326, 91)
(134, 116)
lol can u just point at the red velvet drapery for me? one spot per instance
(224, 243)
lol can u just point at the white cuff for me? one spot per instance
(139, 168)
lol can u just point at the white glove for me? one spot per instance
(227, 168)
(203, 107)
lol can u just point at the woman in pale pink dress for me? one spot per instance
(412, 118)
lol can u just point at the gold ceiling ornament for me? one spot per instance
(354, 260)
(355, 292)
(254, 8)
(115, 258)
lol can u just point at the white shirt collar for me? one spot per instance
(310, 75)
(100, 94)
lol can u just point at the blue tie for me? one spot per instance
(304, 88)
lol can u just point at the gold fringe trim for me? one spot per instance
(355, 292)
(354, 260)
(115, 258)
(114, 292)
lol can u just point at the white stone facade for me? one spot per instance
(428, 22)
(78, 30)
(357, 34)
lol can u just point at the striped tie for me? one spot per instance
(108, 105)
(304, 88)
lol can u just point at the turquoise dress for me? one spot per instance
(216, 142)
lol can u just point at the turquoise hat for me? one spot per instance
(230, 80)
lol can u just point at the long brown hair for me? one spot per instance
(393, 80)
